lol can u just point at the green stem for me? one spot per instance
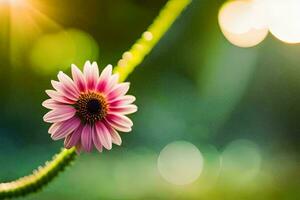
(39, 178)
(149, 38)
(126, 65)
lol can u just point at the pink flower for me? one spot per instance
(89, 110)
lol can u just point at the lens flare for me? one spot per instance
(243, 23)
(24, 20)
(180, 163)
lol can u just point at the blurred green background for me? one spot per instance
(239, 107)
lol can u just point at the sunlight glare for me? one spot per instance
(12, 2)
(24, 21)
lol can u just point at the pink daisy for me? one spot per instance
(89, 110)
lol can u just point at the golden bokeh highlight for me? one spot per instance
(242, 23)
(284, 19)
(245, 23)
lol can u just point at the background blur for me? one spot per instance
(215, 121)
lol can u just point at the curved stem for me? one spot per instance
(40, 177)
(125, 66)
(149, 38)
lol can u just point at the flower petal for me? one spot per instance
(56, 85)
(97, 141)
(91, 73)
(68, 86)
(115, 137)
(106, 73)
(104, 78)
(54, 127)
(120, 90)
(51, 104)
(79, 79)
(103, 135)
(119, 122)
(113, 81)
(58, 97)
(64, 91)
(119, 127)
(73, 139)
(86, 138)
(123, 120)
(66, 128)
(124, 110)
(63, 113)
(123, 100)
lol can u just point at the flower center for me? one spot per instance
(91, 107)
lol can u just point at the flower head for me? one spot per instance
(89, 110)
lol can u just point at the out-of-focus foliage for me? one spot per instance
(239, 107)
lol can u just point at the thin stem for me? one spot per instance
(149, 38)
(126, 65)
(40, 177)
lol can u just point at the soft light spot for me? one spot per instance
(147, 36)
(138, 47)
(241, 161)
(243, 23)
(127, 55)
(284, 16)
(122, 63)
(180, 163)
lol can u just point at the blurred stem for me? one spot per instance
(40, 177)
(149, 38)
(126, 65)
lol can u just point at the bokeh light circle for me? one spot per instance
(52, 52)
(243, 23)
(283, 19)
(241, 161)
(180, 163)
